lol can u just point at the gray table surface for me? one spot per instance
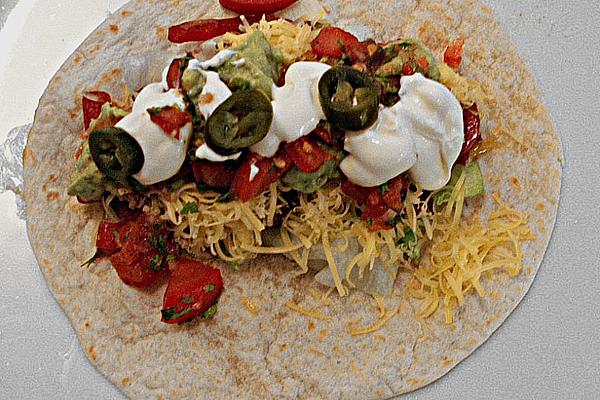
(548, 349)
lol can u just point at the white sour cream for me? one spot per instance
(296, 107)
(422, 133)
(163, 154)
(216, 61)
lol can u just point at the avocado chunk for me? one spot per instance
(255, 66)
(87, 182)
(192, 83)
(473, 185)
(310, 182)
(408, 50)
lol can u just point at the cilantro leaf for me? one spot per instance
(171, 313)
(190, 208)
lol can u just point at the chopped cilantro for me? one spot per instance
(209, 288)
(116, 232)
(224, 197)
(93, 258)
(159, 243)
(187, 300)
(154, 111)
(175, 186)
(156, 263)
(409, 244)
(171, 257)
(385, 187)
(235, 265)
(171, 313)
(210, 312)
(190, 208)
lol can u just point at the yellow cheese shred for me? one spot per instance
(253, 308)
(378, 324)
(313, 313)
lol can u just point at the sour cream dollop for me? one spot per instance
(163, 153)
(422, 133)
(296, 107)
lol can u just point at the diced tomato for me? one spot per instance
(92, 103)
(306, 154)
(174, 74)
(218, 175)
(269, 170)
(170, 119)
(392, 197)
(206, 29)
(144, 249)
(107, 242)
(453, 54)
(356, 192)
(472, 133)
(331, 42)
(256, 6)
(358, 52)
(407, 68)
(329, 135)
(192, 289)
(423, 64)
(376, 213)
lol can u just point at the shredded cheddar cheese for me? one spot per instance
(292, 39)
(313, 313)
(378, 324)
(250, 306)
(467, 91)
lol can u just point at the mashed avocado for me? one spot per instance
(256, 65)
(409, 51)
(87, 182)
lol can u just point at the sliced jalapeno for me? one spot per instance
(239, 122)
(116, 153)
(349, 98)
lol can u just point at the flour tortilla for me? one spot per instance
(280, 353)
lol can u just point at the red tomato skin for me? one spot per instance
(92, 103)
(330, 41)
(192, 285)
(269, 170)
(206, 29)
(174, 74)
(218, 175)
(256, 6)
(473, 137)
(132, 262)
(356, 192)
(393, 196)
(306, 154)
(453, 54)
(107, 242)
(170, 119)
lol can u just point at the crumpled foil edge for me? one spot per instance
(11, 165)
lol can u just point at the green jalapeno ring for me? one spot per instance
(349, 98)
(239, 122)
(116, 153)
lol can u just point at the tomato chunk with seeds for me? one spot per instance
(257, 173)
(107, 242)
(193, 288)
(144, 250)
(472, 133)
(92, 103)
(256, 6)
(394, 191)
(170, 119)
(331, 42)
(306, 154)
(453, 54)
(206, 29)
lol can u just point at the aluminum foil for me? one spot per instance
(11, 165)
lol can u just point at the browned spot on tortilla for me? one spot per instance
(113, 28)
(447, 361)
(73, 113)
(402, 351)
(413, 381)
(515, 182)
(52, 178)
(92, 353)
(160, 32)
(87, 325)
(77, 58)
(471, 342)
(159, 397)
(283, 346)
(380, 338)
(53, 196)
(379, 394)
(125, 381)
(111, 76)
(126, 13)
(540, 206)
(28, 155)
(176, 2)
(311, 325)
(316, 351)
(323, 334)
